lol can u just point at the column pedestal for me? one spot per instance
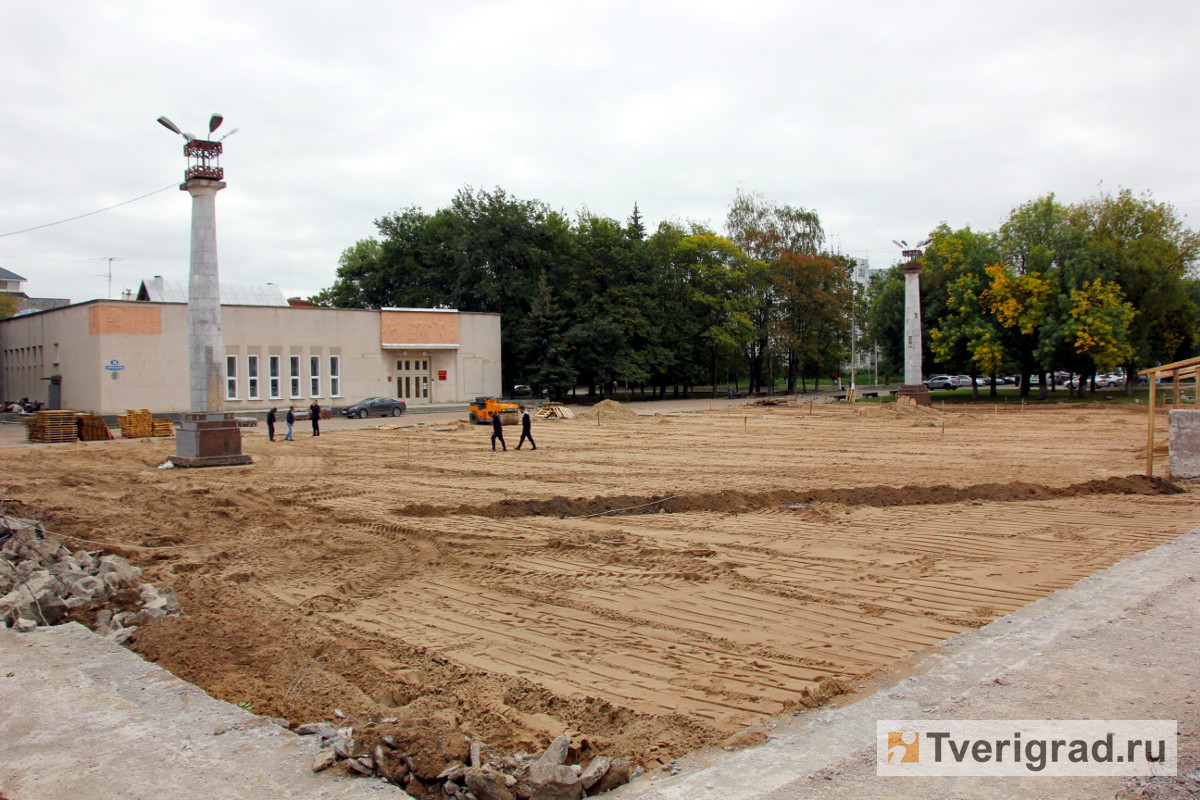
(209, 440)
(918, 392)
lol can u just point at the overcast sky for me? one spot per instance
(887, 118)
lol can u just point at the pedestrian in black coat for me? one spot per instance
(525, 434)
(291, 420)
(314, 414)
(498, 432)
(271, 424)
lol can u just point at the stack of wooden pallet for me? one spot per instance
(136, 423)
(554, 411)
(162, 427)
(52, 426)
(93, 428)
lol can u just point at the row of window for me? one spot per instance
(275, 378)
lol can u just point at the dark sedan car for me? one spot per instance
(375, 407)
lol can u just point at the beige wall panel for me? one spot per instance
(477, 367)
(418, 327)
(125, 319)
(155, 374)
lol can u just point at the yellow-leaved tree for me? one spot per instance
(1099, 323)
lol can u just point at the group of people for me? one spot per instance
(498, 431)
(314, 414)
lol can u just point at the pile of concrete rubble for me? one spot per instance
(42, 581)
(454, 769)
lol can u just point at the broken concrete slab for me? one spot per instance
(69, 695)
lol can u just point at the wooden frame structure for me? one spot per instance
(1179, 370)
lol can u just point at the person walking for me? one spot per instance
(271, 424)
(525, 423)
(314, 414)
(291, 420)
(497, 432)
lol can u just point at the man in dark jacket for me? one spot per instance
(271, 424)
(291, 420)
(314, 414)
(525, 430)
(497, 431)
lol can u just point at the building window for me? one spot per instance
(252, 377)
(273, 367)
(314, 376)
(294, 370)
(231, 378)
(335, 376)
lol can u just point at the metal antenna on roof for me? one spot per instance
(109, 259)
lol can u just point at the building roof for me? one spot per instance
(9, 275)
(232, 294)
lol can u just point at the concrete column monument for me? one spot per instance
(207, 436)
(912, 386)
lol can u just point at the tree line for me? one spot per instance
(593, 301)
(596, 302)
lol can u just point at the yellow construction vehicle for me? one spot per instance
(484, 408)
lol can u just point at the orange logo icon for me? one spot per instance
(903, 747)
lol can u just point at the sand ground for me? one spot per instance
(655, 583)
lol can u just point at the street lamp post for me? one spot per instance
(207, 436)
(912, 386)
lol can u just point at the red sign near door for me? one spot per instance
(441, 374)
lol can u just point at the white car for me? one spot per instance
(942, 382)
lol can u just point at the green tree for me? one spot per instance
(361, 283)
(764, 232)
(484, 252)
(1142, 246)
(885, 318)
(542, 347)
(706, 300)
(1035, 242)
(813, 326)
(610, 298)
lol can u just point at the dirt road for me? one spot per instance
(654, 583)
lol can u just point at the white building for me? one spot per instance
(106, 356)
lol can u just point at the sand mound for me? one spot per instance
(608, 408)
(897, 411)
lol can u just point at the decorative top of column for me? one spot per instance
(203, 155)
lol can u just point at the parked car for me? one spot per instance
(941, 382)
(521, 390)
(964, 381)
(375, 407)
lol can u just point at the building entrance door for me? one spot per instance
(412, 380)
